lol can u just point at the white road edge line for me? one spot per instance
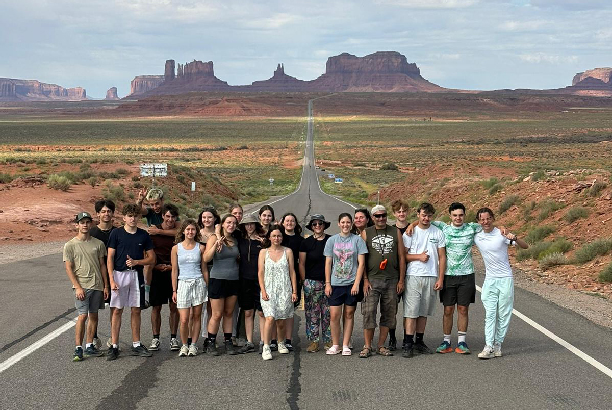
(589, 359)
(36, 345)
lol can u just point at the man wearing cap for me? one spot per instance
(84, 262)
(383, 279)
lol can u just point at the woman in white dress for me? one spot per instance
(278, 287)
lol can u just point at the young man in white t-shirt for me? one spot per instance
(498, 288)
(426, 257)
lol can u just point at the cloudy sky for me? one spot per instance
(467, 44)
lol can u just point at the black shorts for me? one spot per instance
(161, 288)
(222, 288)
(141, 285)
(341, 295)
(299, 284)
(458, 290)
(248, 294)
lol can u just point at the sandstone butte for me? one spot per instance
(33, 90)
(111, 94)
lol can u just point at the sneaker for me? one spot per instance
(328, 346)
(487, 353)
(408, 350)
(78, 354)
(113, 353)
(184, 351)
(392, 344)
(282, 348)
(174, 344)
(260, 351)
(422, 348)
(109, 343)
(141, 351)
(444, 347)
(241, 341)
(211, 349)
(247, 348)
(193, 350)
(289, 346)
(497, 350)
(229, 348)
(273, 347)
(335, 349)
(234, 341)
(154, 344)
(350, 345)
(462, 348)
(91, 351)
(313, 347)
(266, 353)
(97, 343)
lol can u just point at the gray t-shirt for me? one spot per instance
(344, 252)
(225, 263)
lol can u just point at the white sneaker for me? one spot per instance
(497, 350)
(193, 350)
(282, 349)
(97, 343)
(184, 351)
(174, 344)
(487, 353)
(154, 344)
(267, 353)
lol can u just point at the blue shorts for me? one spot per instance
(341, 295)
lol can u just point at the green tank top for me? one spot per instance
(382, 244)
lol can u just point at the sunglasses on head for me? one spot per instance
(317, 223)
(380, 216)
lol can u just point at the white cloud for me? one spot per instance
(547, 58)
(515, 25)
(430, 4)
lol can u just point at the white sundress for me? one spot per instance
(278, 287)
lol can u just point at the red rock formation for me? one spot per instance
(603, 74)
(169, 70)
(145, 83)
(280, 82)
(33, 90)
(193, 76)
(197, 69)
(111, 94)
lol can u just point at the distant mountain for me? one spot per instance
(597, 81)
(33, 90)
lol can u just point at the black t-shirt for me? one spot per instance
(98, 233)
(162, 245)
(249, 256)
(126, 244)
(402, 230)
(293, 242)
(315, 260)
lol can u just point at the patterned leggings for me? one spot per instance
(316, 309)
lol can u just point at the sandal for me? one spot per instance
(335, 349)
(365, 352)
(346, 351)
(383, 351)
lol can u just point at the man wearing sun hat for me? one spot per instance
(84, 262)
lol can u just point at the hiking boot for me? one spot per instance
(445, 347)
(229, 348)
(174, 344)
(154, 344)
(313, 347)
(97, 343)
(328, 345)
(212, 350)
(260, 350)
(247, 348)
(112, 354)
(497, 350)
(141, 351)
(282, 348)
(422, 348)
(91, 351)
(487, 353)
(193, 350)
(408, 350)
(392, 344)
(266, 354)
(462, 348)
(78, 354)
(184, 351)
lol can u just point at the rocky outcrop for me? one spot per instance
(33, 90)
(111, 94)
(169, 70)
(142, 84)
(602, 74)
(193, 76)
(280, 82)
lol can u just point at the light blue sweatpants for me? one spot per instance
(498, 300)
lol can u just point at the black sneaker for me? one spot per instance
(289, 346)
(212, 350)
(273, 346)
(392, 344)
(91, 351)
(229, 348)
(78, 354)
(112, 354)
(408, 350)
(247, 348)
(422, 348)
(141, 351)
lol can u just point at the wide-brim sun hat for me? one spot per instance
(318, 217)
(250, 219)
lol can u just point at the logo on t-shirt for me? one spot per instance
(344, 260)
(383, 244)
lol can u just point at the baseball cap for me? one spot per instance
(82, 215)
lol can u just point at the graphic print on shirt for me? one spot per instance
(344, 263)
(383, 243)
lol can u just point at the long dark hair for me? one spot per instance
(180, 234)
(267, 208)
(267, 243)
(298, 228)
(258, 229)
(213, 212)
(368, 217)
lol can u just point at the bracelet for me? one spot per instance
(174, 291)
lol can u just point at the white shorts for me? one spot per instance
(419, 296)
(129, 293)
(191, 292)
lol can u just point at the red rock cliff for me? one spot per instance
(111, 94)
(381, 62)
(33, 90)
(144, 83)
(602, 74)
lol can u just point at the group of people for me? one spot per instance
(221, 272)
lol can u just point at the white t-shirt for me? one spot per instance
(429, 239)
(493, 247)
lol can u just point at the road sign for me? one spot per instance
(331, 176)
(154, 170)
(271, 181)
(338, 180)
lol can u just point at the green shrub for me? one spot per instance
(538, 233)
(122, 171)
(553, 259)
(590, 251)
(508, 202)
(389, 166)
(115, 193)
(596, 189)
(5, 178)
(606, 274)
(576, 213)
(548, 207)
(359, 164)
(538, 175)
(92, 181)
(490, 183)
(495, 188)
(560, 245)
(533, 251)
(59, 182)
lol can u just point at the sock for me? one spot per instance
(409, 339)
(173, 336)
(88, 345)
(461, 337)
(273, 342)
(405, 338)
(447, 338)
(155, 336)
(212, 337)
(227, 336)
(287, 341)
(392, 334)
(188, 341)
(136, 344)
(261, 342)
(79, 347)
(419, 337)
(114, 345)
(96, 334)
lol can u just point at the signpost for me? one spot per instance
(271, 181)
(338, 180)
(154, 170)
(331, 176)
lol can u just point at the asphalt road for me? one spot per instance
(534, 373)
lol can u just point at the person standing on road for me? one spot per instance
(292, 238)
(426, 257)
(189, 279)
(278, 287)
(362, 221)
(208, 221)
(382, 281)
(161, 281)
(344, 267)
(127, 280)
(312, 274)
(498, 287)
(84, 262)
(223, 283)
(105, 210)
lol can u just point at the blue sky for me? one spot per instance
(467, 44)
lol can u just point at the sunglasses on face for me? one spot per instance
(316, 223)
(380, 216)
